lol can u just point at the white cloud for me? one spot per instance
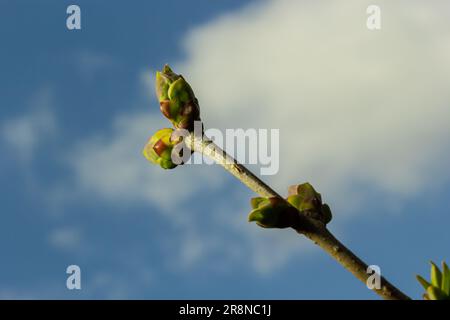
(224, 241)
(66, 238)
(90, 63)
(355, 107)
(24, 133)
(110, 166)
(113, 167)
(361, 112)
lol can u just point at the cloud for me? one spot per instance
(110, 167)
(357, 109)
(360, 113)
(219, 238)
(65, 238)
(24, 133)
(113, 167)
(90, 63)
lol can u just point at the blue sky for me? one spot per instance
(363, 115)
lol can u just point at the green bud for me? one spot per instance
(176, 99)
(307, 200)
(272, 213)
(439, 286)
(436, 293)
(158, 149)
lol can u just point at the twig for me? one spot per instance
(307, 226)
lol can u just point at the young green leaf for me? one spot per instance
(425, 284)
(436, 275)
(445, 279)
(435, 293)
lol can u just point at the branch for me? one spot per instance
(178, 103)
(305, 225)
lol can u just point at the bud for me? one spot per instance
(307, 200)
(272, 213)
(439, 286)
(159, 148)
(176, 99)
(435, 294)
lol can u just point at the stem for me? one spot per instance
(307, 226)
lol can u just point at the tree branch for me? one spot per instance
(305, 225)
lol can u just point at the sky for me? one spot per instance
(364, 115)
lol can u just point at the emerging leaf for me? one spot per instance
(425, 284)
(272, 213)
(439, 286)
(436, 275)
(307, 200)
(445, 279)
(177, 101)
(159, 148)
